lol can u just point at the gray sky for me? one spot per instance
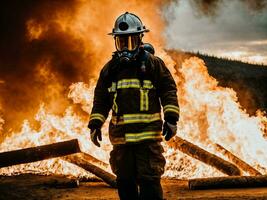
(235, 30)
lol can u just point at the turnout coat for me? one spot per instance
(136, 92)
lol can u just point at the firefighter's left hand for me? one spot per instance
(96, 136)
(169, 130)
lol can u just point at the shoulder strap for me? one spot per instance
(146, 68)
(115, 65)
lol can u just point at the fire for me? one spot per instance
(52, 129)
(210, 114)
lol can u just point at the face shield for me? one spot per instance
(127, 42)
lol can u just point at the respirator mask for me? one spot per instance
(127, 46)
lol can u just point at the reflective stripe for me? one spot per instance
(130, 83)
(97, 116)
(171, 108)
(115, 106)
(113, 87)
(136, 137)
(147, 84)
(135, 118)
(144, 100)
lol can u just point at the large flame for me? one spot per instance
(209, 114)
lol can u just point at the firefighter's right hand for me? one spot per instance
(96, 136)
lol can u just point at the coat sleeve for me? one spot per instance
(101, 103)
(167, 92)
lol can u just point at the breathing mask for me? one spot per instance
(127, 46)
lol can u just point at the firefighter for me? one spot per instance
(135, 84)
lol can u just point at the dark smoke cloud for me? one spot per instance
(256, 5)
(21, 88)
(40, 67)
(41, 70)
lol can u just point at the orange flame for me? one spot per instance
(209, 114)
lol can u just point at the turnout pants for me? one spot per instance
(138, 168)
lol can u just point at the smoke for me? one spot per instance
(221, 27)
(211, 7)
(256, 5)
(2, 121)
(47, 45)
(23, 61)
(206, 7)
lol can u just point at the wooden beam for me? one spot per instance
(82, 161)
(227, 182)
(206, 157)
(56, 181)
(32, 180)
(38, 153)
(237, 161)
(94, 160)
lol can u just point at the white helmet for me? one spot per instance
(128, 32)
(128, 23)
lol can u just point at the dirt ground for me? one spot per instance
(36, 187)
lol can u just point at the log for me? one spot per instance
(227, 182)
(81, 160)
(206, 157)
(30, 180)
(237, 161)
(94, 160)
(38, 153)
(60, 182)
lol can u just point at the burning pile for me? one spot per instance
(210, 115)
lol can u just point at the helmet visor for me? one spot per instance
(127, 42)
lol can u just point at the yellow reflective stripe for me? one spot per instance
(128, 83)
(133, 83)
(141, 100)
(97, 116)
(147, 84)
(136, 118)
(171, 108)
(136, 137)
(144, 100)
(115, 106)
(113, 87)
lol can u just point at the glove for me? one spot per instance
(95, 136)
(169, 130)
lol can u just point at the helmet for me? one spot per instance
(128, 23)
(128, 35)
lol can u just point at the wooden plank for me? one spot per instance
(237, 161)
(82, 161)
(38, 153)
(227, 182)
(206, 157)
(94, 160)
(33, 180)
